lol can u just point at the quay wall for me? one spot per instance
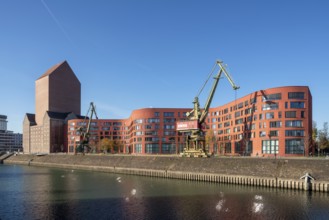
(267, 172)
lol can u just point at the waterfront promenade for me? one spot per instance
(267, 172)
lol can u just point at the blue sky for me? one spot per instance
(133, 54)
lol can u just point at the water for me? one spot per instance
(46, 193)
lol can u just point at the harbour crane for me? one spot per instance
(195, 141)
(84, 130)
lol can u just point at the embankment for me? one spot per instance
(279, 173)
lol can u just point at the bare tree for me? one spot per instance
(323, 137)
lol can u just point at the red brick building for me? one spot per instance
(271, 122)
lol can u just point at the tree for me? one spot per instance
(314, 136)
(324, 137)
(210, 138)
(106, 144)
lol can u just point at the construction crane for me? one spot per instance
(84, 130)
(195, 141)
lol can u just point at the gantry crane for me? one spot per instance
(195, 140)
(84, 130)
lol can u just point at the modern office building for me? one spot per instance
(9, 141)
(272, 122)
(57, 99)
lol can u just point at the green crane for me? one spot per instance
(84, 130)
(195, 141)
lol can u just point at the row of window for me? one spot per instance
(266, 98)
(292, 146)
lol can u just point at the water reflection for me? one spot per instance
(42, 193)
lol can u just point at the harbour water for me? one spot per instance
(28, 192)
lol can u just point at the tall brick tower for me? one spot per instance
(57, 99)
(57, 90)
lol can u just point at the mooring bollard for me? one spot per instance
(307, 181)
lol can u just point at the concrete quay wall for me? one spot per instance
(277, 173)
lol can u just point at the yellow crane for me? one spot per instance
(195, 140)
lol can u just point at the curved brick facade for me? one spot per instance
(271, 122)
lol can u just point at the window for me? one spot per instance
(269, 115)
(151, 133)
(169, 120)
(213, 120)
(253, 100)
(169, 133)
(295, 133)
(168, 127)
(294, 123)
(226, 124)
(274, 133)
(238, 147)
(238, 121)
(262, 133)
(227, 131)
(270, 146)
(297, 104)
(240, 105)
(228, 147)
(168, 148)
(276, 96)
(296, 95)
(294, 146)
(117, 123)
(168, 114)
(237, 114)
(153, 120)
(138, 121)
(153, 139)
(270, 106)
(302, 114)
(148, 126)
(275, 124)
(138, 148)
(152, 148)
(290, 114)
(156, 114)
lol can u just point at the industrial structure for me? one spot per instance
(194, 125)
(271, 122)
(9, 141)
(57, 99)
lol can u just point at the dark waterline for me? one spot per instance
(46, 193)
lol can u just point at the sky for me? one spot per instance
(132, 54)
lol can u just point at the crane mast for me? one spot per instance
(195, 143)
(85, 131)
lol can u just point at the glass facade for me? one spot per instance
(294, 146)
(270, 146)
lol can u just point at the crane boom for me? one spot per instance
(213, 89)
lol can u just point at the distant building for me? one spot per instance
(57, 99)
(265, 123)
(9, 141)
